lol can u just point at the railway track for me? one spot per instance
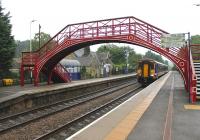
(14, 121)
(76, 124)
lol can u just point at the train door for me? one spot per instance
(146, 70)
(156, 70)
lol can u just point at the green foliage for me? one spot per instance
(22, 46)
(154, 56)
(134, 58)
(119, 54)
(195, 39)
(7, 44)
(166, 62)
(44, 37)
(174, 68)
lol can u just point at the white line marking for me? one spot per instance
(134, 96)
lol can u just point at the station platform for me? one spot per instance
(13, 94)
(161, 111)
(14, 91)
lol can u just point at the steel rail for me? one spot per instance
(67, 125)
(70, 103)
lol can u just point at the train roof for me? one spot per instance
(151, 60)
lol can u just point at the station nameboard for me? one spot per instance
(172, 40)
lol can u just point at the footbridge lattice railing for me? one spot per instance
(130, 29)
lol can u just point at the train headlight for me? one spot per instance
(152, 73)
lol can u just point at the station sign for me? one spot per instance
(172, 40)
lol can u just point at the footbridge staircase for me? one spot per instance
(58, 74)
(195, 51)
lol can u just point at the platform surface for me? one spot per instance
(144, 117)
(10, 92)
(110, 125)
(185, 121)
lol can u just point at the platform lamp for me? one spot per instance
(127, 64)
(31, 47)
(39, 35)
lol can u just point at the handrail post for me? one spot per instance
(129, 25)
(189, 70)
(97, 29)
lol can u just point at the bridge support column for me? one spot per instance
(36, 76)
(185, 74)
(22, 75)
(193, 90)
(183, 69)
(49, 77)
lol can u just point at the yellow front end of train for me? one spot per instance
(149, 70)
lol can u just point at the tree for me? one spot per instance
(195, 39)
(7, 44)
(21, 46)
(134, 58)
(44, 37)
(119, 54)
(154, 56)
(166, 62)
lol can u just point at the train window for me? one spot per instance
(139, 65)
(156, 68)
(151, 65)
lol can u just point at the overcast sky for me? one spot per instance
(173, 16)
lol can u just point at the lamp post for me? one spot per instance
(30, 48)
(127, 55)
(39, 35)
(30, 35)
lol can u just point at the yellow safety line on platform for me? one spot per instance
(192, 107)
(121, 131)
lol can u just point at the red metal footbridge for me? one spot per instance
(123, 30)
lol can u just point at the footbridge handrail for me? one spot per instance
(63, 72)
(192, 80)
(123, 30)
(104, 28)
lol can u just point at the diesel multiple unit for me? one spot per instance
(149, 70)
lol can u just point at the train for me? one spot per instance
(148, 70)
